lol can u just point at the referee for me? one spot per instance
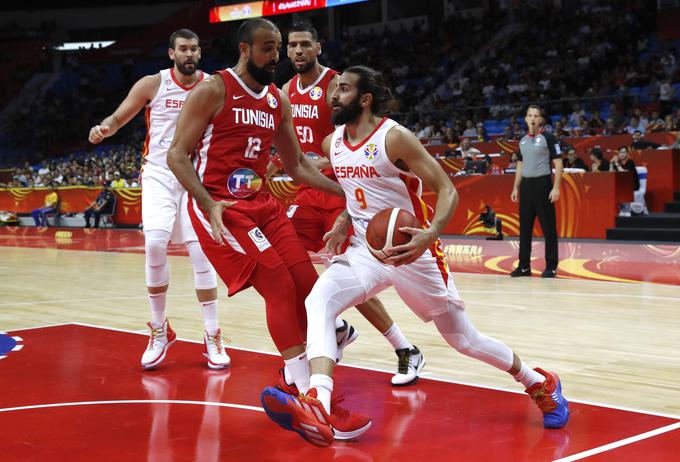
(537, 194)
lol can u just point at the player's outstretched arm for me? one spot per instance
(294, 162)
(402, 145)
(202, 104)
(141, 93)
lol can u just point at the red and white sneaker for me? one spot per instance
(160, 340)
(282, 385)
(303, 414)
(346, 424)
(214, 351)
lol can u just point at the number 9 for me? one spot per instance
(361, 198)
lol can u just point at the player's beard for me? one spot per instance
(306, 67)
(260, 74)
(348, 113)
(182, 67)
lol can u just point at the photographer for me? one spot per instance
(536, 193)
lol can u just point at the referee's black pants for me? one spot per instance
(534, 202)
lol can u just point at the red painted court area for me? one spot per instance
(75, 392)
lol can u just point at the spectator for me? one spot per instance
(51, 203)
(118, 182)
(466, 150)
(622, 163)
(641, 143)
(470, 129)
(102, 205)
(514, 158)
(611, 128)
(634, 125)
(573, 160)
(598, 162)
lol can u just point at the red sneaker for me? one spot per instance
(347, 424)
(282, 385)
(303, 414)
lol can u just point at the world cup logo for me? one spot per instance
(271, 100)
(316, 93)
(371, 151)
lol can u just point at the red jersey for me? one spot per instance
(231, 158)
(311, 113)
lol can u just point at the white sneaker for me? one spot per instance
(214, 351)
(344, 336)
(160, 340)
(411, 363)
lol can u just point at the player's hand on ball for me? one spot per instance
(421, 240)
(336, 237)
(98, 133)
(216, 223)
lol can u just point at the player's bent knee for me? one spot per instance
(156, 250)
(204, 273)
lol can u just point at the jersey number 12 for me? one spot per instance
(253, 149)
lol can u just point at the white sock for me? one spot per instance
(324, 389)
(297, 370)
(396, 338)
(339, 323)
(157, 302)
(528, 376)
(209, 310)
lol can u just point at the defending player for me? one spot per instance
(229, 122)
(314, 212)
(164, 214)
(389, 165)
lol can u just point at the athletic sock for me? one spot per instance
(528, 376)
(396, 338)
(157, 302)
(209, 310)
(324, 389)
(297, 371)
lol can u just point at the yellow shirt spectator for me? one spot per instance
(51, 199)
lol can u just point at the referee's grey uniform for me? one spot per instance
(536, 154)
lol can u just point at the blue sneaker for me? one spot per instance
(548, 397)
(302, 414)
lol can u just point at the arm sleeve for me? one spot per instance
(553, 146)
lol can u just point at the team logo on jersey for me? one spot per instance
(243, 183)
(371, 151)
(271, 100)
(168, 82)
(259, 239)
(316, 93)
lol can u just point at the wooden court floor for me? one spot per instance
(611, 343)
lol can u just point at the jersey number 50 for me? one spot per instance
(305, 134)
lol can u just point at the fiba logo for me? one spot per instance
(316, 93)
(371, 151)
(271, 100)
(243, 183)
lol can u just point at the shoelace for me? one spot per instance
(155, 335)
(217, 341)
(544, 400)
(404, 361)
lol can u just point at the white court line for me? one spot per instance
(385, 371)
(134, 401)
(618, 444)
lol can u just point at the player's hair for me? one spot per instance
(304, 26)
(373, 82)
(182, 33)
(247, 29)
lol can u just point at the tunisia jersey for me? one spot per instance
(371, 181)
(232, 156)
(311, 113)
(162, 113)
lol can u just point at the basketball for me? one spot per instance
(382, 232)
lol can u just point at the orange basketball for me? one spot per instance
(382, 232)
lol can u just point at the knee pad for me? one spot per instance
(156, 249)
(204, 273)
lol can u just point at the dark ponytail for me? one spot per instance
(373, 82)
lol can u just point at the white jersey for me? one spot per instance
(371, 181)
(161, 116)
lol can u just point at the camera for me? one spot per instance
(492, 222)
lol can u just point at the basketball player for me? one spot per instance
(388, 164)
(314, 212)
(229, 122)
(164, 200)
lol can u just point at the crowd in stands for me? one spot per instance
(118, 167)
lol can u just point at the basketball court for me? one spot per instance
(73, 317)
